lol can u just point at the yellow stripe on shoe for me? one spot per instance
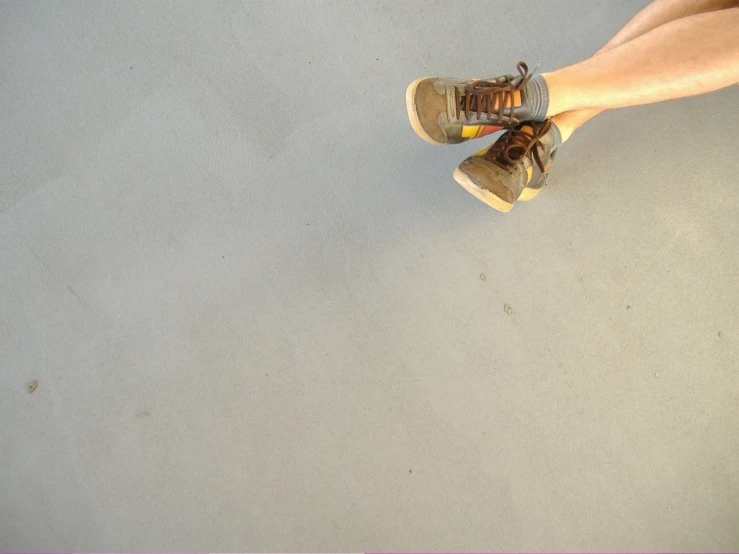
(477, 131)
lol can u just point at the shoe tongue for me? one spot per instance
(546, 138)
(473, 104)
(516, 153)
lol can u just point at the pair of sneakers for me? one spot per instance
(451, 111)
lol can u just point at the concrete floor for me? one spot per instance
(252, 297)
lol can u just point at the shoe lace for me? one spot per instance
(515, 144)
(483, 96)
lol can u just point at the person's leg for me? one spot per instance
(689, 56)
(654, 15)
(452, 111)
(673, 48)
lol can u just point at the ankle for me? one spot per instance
(559, 90)
(569, 122)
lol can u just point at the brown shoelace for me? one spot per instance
(483, 96)
(514, 144)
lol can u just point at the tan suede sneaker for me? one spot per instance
(449, 111)
(514, 168)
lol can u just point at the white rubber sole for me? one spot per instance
(410, 102)
(529, 194)
(481, 194)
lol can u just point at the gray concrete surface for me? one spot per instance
(251, 296)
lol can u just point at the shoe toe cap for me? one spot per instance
(425, 106)
(487, 179)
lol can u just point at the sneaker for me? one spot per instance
(450, 111)
(514, 168)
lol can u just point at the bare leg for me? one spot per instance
(685, 57)
(654, 15)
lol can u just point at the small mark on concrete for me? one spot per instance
(78, 297)
(173, 243)
(628, 307)
(507, 308)
(410, 471)
(35, 255)
(253, 397)
(720, 334)
(142, 415)
(482, 277)
(31, 386)
(657, 374)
